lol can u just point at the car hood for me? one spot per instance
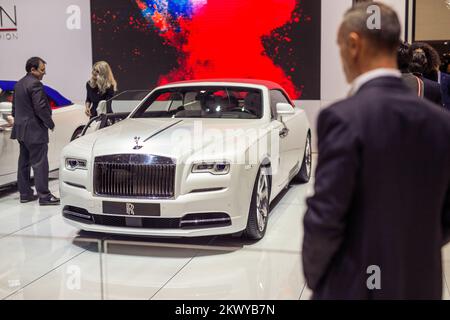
(174, 138)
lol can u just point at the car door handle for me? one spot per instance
(284, 132)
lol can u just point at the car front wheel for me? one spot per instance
(259, 207)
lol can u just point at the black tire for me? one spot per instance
(76, 134)
(304, 174)
(256, 228)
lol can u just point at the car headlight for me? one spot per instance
(213, 167)
(73, 164)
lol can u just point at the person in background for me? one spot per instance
(32, 120)
(433, 61)
(445, 66)
(380, 213)
(101, 86)
(404, 58)
(418, 67)
(431, 71)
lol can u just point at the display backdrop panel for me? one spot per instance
(57, 31)
(437, 11)
(153, 42)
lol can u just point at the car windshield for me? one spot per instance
(203, 102)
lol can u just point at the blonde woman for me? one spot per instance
(101, 86)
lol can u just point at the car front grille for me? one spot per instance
(135, 176)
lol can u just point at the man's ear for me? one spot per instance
(354, 43)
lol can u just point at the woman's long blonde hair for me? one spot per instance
(105, 78)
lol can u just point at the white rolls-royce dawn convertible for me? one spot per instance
(193, 158)
(69, 121)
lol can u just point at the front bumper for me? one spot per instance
(233, 203)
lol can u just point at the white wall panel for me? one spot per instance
(399, 7)
(42, 31)
(333, 84)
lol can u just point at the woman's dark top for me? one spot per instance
(94, 96)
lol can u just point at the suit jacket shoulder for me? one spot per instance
(381, 99)
(32, 112)
(29, 81)
(344, 111)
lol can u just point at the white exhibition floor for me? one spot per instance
(41, 257)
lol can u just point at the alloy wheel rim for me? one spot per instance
(262, 201)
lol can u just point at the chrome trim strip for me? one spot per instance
(164, 129)
(207, 190)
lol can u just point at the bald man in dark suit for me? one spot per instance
(380, 213)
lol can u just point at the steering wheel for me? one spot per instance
(243, 110)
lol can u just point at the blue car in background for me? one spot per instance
(69, 121)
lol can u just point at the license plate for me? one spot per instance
(132, 209)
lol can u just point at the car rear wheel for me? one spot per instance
(259, 207)
(304, 174)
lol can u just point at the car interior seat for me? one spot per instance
(233, 103)
(252, 102)
(213, 104)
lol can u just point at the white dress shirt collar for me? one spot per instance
(373, 74)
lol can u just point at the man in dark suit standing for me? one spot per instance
(32, 120)
(429, 66)
(381, 210)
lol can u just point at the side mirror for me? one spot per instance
(284, 109)
(101, 108)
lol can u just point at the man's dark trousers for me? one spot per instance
(33, 156)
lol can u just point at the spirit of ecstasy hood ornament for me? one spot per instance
(137, 146)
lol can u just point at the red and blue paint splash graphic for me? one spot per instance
(224, 39)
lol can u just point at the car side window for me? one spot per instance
(276, 96)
